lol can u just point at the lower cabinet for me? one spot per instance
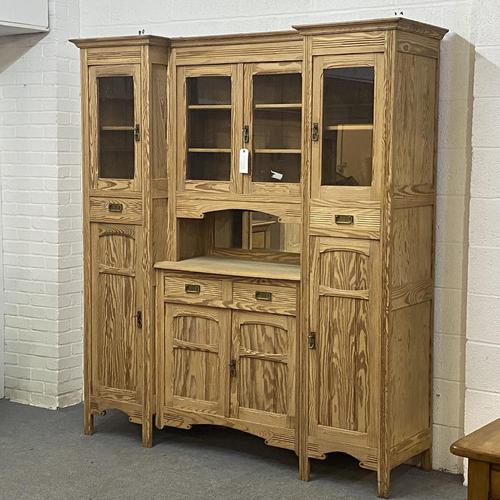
(263, 367)
(116, 352)
(224, 366)
(344, 350)
(196, 358)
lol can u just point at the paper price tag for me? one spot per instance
(243, 161)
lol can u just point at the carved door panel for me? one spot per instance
(116, 310)
(196, 358)
(263, 368)
(343, 342)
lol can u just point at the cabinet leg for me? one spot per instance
(88, 422)
(303, 468)
(426, 460)
(384, 480)
(147, 433)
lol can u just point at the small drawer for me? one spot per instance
(266, 298)
(126, 210)
(360, 221)
(192, 289)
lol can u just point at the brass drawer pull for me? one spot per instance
(344, 219)
(115, 207)
(190, 288)
(259, 295)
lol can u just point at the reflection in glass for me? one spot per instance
(348, 98)
(116, 127)
(254, 230)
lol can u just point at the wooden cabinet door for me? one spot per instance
(347, 127)
(209, 121)
(195, 353)
(273, 128)
(344, 352)
(116, 308)
(263, 368)
(114, 124)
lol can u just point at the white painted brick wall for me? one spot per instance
(482, 396)
(197, 17)
(41, 221)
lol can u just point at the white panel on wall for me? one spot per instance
(26, 16)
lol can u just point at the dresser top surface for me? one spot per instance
(483, 444)
(227, 266)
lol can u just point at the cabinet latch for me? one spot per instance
(137, 132)
(315, 132)
(245, 134)
(232, 368)
(311, 340)
(138, 318)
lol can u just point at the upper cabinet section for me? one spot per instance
(115, 129)
(239, 128)
(124, 116)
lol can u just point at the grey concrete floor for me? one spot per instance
(44, 455)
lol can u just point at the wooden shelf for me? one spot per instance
(227, 266)
(209, 150)
(360, 126)
(297, 105)
(209, 106)
(279, 151)
(117, 127)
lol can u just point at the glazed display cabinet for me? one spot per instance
(259, 236)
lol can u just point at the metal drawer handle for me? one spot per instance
(344, 219)
(259, 295)
(190, 288)
(115, 207)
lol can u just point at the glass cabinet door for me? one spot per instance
(274, 117)
(343, 128)
(114, 127)
(207, 128)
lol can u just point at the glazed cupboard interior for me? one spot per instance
(258, 234)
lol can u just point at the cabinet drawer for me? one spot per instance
(126, 210)
(360, 221)
(265, 298)
(192, 289)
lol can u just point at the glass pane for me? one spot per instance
(273, 167)
(277, 129)
(347, 126)
(276, 89)
(116, 157)
(209, 90)
(209, 166)
(209, 128)
(277, 126)
(116, 127)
